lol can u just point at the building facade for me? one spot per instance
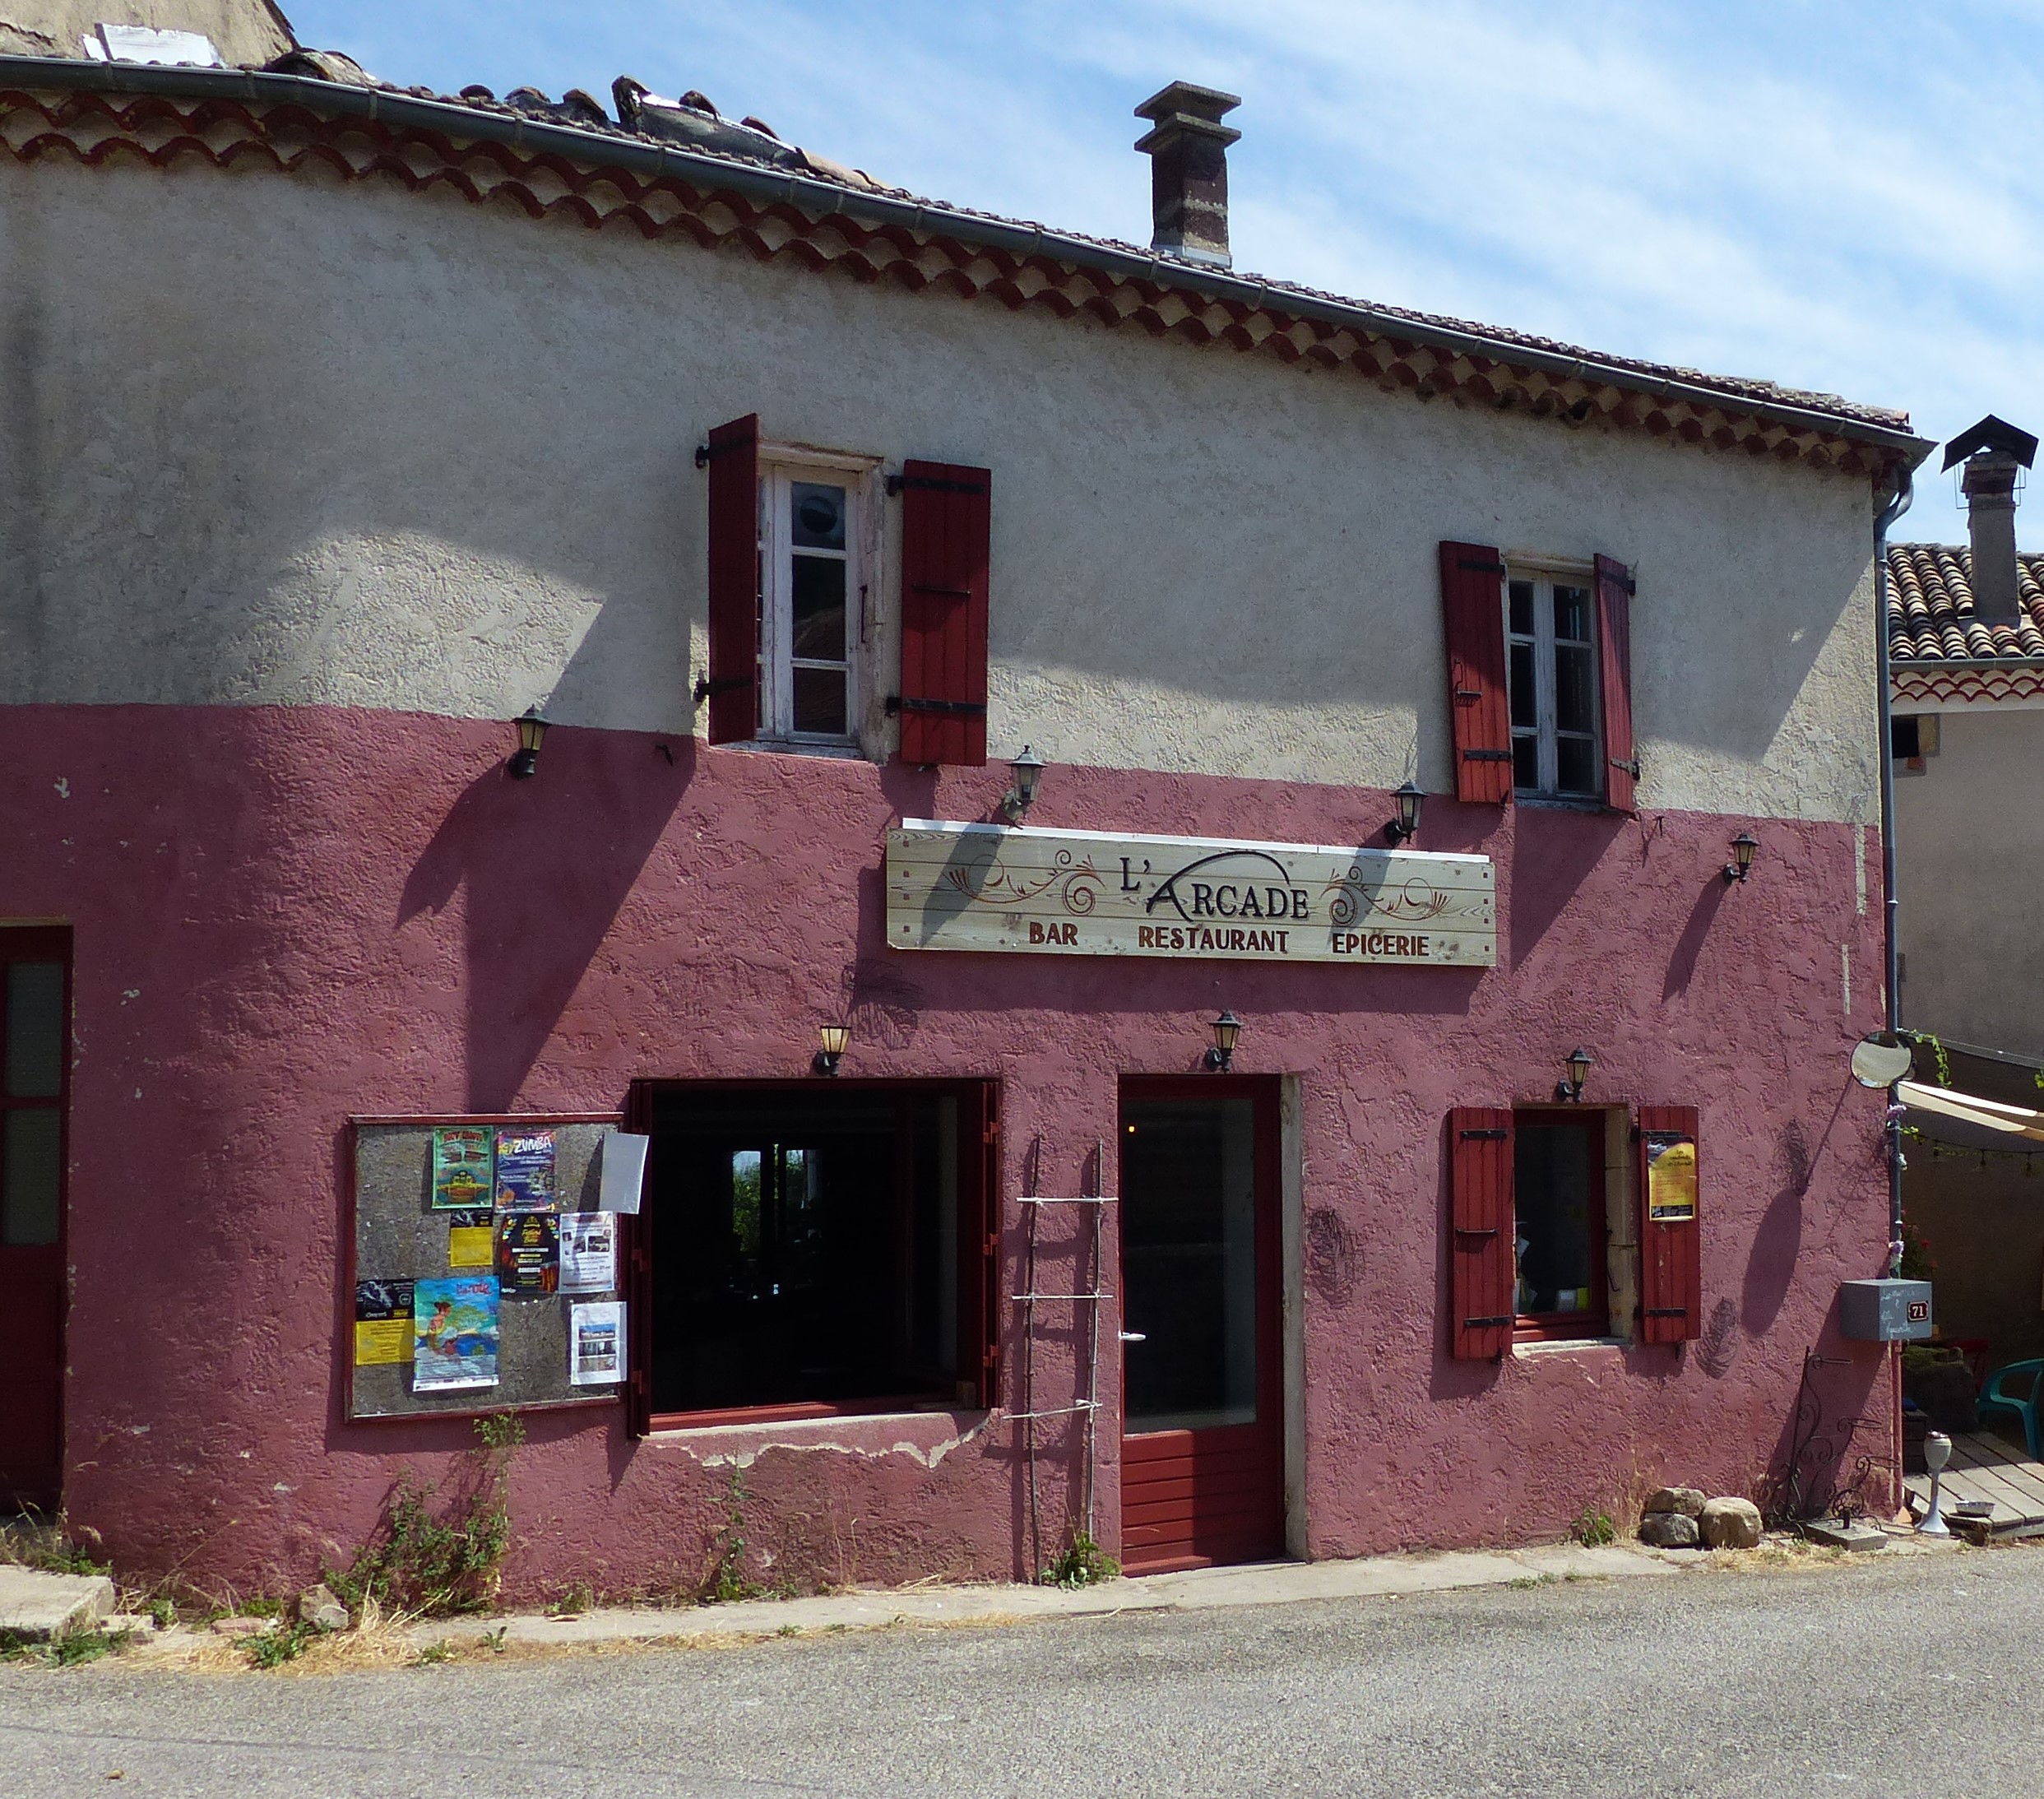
(343, 427)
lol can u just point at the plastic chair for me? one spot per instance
(1992, 1398)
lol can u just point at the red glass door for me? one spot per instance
(1203, 1439)
(34, 1034)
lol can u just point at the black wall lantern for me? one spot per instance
(1226, 1028)
(524, 762)
(1569, 1088)
(835, 1037)
(1406, 827)
(1028, 770)
(1742, 862)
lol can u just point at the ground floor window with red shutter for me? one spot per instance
(1559, 1224)
(815, 1249)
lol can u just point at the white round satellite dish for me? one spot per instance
(1876, 1063)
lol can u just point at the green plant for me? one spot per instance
(1527, 1582)
(260, 1608)
(273, 1648)
(577, 1598)
(80, 1647)
(162, 1613)
(1593, 1528)
(494, 1641)
(441, 1565)
(727, 1580)
(441, 1651)
(1916, 1263)
(1937, 1049)
(1081, 1563)
(789, 1630)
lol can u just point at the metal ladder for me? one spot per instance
(1093, 1297)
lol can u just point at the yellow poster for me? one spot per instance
(471, 1239)
(1671, 1178)
(383, 1322)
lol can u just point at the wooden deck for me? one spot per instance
(1985, 1467)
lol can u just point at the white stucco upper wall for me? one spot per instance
(267, 440)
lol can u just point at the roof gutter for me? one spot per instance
(648, 157)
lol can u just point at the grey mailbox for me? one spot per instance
(1884, 1311)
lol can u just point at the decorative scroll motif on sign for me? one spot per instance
(985, 887)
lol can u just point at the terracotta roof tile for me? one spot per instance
(1930, 608)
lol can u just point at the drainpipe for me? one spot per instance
(1898, 503)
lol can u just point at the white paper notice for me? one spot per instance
(589, 1252)
(624, 1170)
(596, 1343)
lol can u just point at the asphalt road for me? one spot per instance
(1917, 1676)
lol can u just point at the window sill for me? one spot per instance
(793, 746)
(1565, 1346)
(1562, 802)
(952, 1421)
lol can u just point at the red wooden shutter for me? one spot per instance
(733, 685)
(1670, 1277)
(1480, 1262)
(1478, 706)
(980, 1243)
(1614, 656)
(946, 519)
(636, 1234)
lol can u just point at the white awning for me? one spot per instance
(1990, 1114)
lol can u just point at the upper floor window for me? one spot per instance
(809, 587)
(1551, 639)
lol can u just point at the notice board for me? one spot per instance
(400, 1233)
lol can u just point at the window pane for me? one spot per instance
(819, 701)
(29, 1177)
(1551, 1181)
(1571, 612)
(1526, 761)
(1575, 766)
(819, 609)
(1522, 593)
(819, 515)
(1188, 1262)
(1575, 690)
(35, 1029)
(1525, 697)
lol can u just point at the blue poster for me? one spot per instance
(525, 1170)
(454, 1332)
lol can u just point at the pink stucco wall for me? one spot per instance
(283, 917)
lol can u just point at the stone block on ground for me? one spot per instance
(37, 1607)
(1669, 1530)
(243, 1627)
(1683, 1501)
(318, 1607)
(1730, 1523)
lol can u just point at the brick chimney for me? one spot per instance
(1188, 170)
(1989, 486)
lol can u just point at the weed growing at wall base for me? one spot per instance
(1083, 1563)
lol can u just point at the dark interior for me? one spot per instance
(805, 1247)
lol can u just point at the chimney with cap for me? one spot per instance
(1994, 452)
(1188, 150)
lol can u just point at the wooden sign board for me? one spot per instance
(979, 887)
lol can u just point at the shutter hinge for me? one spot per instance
(704, 687)
(941, 593)
(1630, 767)
(898, 703)
(1471, 1231)
(1498, 1132)
(930, 485)
(1466, 695)
(1487, 755)
(1479, 1323)
(1667, 1311)
(704, 451)
(1483, 568)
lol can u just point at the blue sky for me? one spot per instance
(1833, 195)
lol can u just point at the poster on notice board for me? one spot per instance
(525, 1170)
(528, 1253)
(460, 1167)
(589, 1252)
(383, 1322)
(454, 1333)
(596, 1343)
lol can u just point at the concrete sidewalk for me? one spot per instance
(1262, 1584)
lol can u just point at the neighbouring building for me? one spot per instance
(1966, 626)
(977, 660)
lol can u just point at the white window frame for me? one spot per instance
(1545, 575)
(781, 466)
